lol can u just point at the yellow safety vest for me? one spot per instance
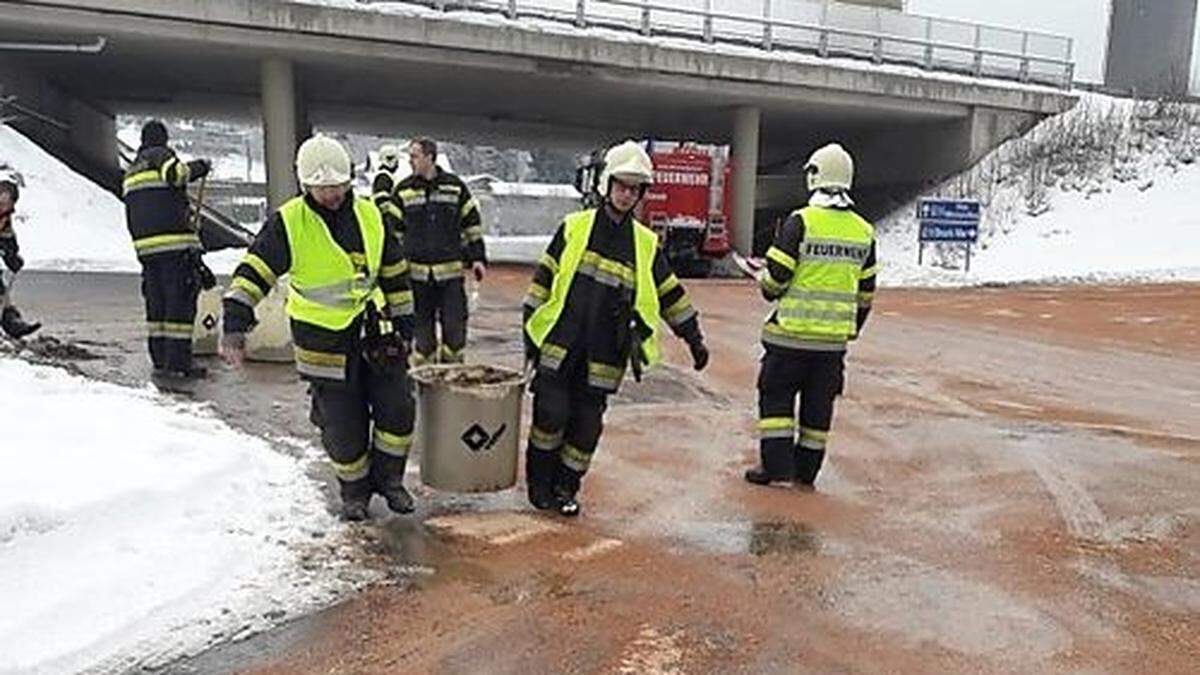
(577, 230)
(329, 287)
(821, 303)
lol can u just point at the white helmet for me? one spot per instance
(389, 155)
(322, 161)
(629, 161)
(830, 168)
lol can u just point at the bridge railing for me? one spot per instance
(825, 29)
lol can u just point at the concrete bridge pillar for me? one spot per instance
(746, 121)
(280, 126)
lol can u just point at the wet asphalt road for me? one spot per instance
(1011, 488)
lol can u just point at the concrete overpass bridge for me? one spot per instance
(514, 82)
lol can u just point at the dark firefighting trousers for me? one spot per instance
(793, 447)
(366, 426)
(170, 286)
(445, 303)
(568, 417)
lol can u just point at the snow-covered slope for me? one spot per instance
(63, 220)
(1105, 192)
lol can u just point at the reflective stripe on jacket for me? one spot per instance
(578, 228)
(820, 304)
(329, 287)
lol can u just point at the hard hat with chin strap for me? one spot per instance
(321, 161)
(629, 162)
(830, 168)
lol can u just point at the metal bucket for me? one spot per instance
(468, 430)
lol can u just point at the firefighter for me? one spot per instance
(593, 307)
(350, 308)
(167, 244)
(10, 317)
(384, 181)
(443, 233)
(821, 270)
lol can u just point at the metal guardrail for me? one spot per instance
(825, 29)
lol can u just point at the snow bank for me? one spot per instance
(1105, 192)
(535, 190)
(63, 220)
(520, 249)
(134, 529)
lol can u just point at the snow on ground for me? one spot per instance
(135, 529)
(1123, 235)
(522, 249)
(63, 220)
(540, 190)
(1112, 199)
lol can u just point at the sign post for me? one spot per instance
(947, 220)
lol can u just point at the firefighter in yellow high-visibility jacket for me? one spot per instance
(598, 296)
(821, 271)
(344, 263)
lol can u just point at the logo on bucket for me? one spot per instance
(478, 439)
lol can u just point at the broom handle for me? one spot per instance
(199, 204)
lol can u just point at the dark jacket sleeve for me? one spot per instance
(543, 281)
(472, 227)
(782, 258)
(394, 282)
(674, 304)
(381, 188)
(866, 289)
(8, 241)
(269, 258)
(381, 194)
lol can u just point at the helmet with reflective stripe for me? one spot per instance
(831, 168)
(629, 162)
(322, 161)
(389, 155)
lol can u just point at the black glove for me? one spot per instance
(15, 262)
(699, 353)
(387, 352)
(199, 168)
(403, 326)
(207, 279)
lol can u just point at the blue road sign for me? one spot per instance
(955, 220)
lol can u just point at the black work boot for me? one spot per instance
(808, 465)
(778, 466)
(356, 497)
(540, 469)
(173, 381)
(14, 325)
(194, 372)
(760, 476)
(566, 490)
(387, 476)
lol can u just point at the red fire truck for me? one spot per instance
(688, 205)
